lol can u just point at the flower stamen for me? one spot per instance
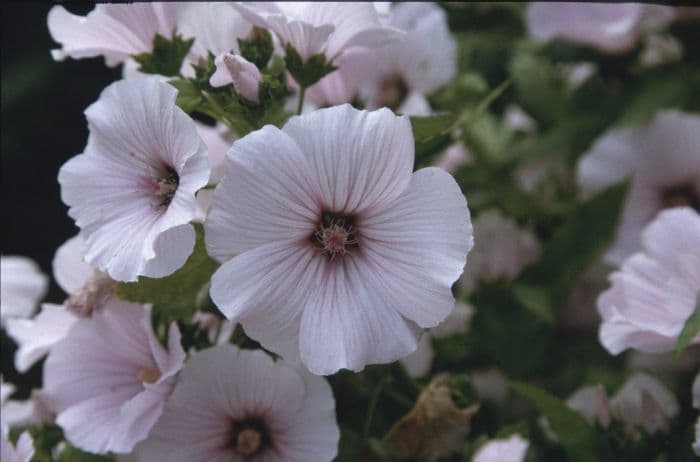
(165, 187)
(335, 235)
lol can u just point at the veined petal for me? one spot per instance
(339, 143)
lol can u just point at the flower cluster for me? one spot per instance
(274, 253)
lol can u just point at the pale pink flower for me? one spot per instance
(33, 411)
(662, 159)
(656, 290)
(215, 27)
(109, 377)
(132, 191)
(515, 118)
(490, 384)
(418, 363)
(512, 449)
(502, 249)
(454, 157)
(341, 254)
(22, 285)
(36, 336)
(23, 452)
(329, 28)
(219, 331)
(236, 70)
(218, 140)
(646, 402)
(239, 405)
(612, 28)
(111, 30)
(423, 61)
(592, 403)
(342, 85)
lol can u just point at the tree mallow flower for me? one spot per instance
(111, 30)
(240, 405)
(644, 401)
(511, 449)
(662, 159)
(236, 70)
(611, 28)
(502, 249)
(109, 377)
(330, 28)
(23, 452)
(418, 363)
(423, 61)
(132, 191)
(592, 403)
(341, 254)
(656, 290)
(22, 285)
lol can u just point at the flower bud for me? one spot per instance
(244, 75)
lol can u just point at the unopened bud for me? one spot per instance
(236, 70)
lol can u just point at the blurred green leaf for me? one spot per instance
(174, 296)
(166, 57)
(541, 88)
(574, 246)
(426, 127)
(577, 437)
(691, 329)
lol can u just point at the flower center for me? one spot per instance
(679, 196)
(392, 92)
(149, 375)
(165, 187)
(249, 437)
(335, 234)
(86, 299)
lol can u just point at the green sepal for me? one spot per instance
(309, 72)
(166, 57)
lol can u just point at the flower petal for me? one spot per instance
(417, 246)
(360, 160)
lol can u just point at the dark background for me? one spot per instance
(42, 126)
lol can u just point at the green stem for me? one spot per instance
(372, 407)
(302, 94)
(468, 116)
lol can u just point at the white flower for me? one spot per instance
(329, 28)
(592, 402)
(111, 30)
(501, 250)
(240, 405)
(23, 452)
(418, 363)
(236, 70)
(22, 285)
(646, 402)
(423, 61)
(656, 290)
(109, 378)
(512, 449)
(336, 252)
(612, 28)
(661, 157)
(132, 192)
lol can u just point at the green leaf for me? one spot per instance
(573, 247)
(540, 87)
(189, 97)
(536, 300)
(309, 72)
(174, 296)
(691, 329)
(258, 48)
(425, 127)
(577, 437)
(166, 57)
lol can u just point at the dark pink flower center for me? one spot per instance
(392, 92)
(335, 235)
(165, 186)
(249, 437)
(679, 196)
